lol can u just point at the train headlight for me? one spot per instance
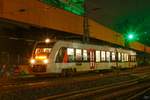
(40, 57)
(45, 61)
(47, 40)
(32, 61)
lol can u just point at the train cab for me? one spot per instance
(40, 56)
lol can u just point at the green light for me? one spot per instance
(130, 36)
(74, 6)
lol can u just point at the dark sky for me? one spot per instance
(123, 15)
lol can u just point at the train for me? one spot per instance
(70, 56)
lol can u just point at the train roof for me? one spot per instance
(79, 44)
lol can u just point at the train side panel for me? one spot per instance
(57, 67)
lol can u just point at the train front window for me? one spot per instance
(43, 48)
(42, 51)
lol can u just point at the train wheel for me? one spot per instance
(63, 73)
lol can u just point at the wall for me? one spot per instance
(39, 14)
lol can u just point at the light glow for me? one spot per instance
(130, 36)
(45, 61)
(40, 57)
(32, 61)
(47, 40)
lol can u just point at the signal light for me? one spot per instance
(130, 36)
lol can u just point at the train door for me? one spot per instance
(92, 58)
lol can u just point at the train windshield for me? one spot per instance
(43, 49)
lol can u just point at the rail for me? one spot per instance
(104, 92)
(134, 97)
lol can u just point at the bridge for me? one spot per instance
(26, 15)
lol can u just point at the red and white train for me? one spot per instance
(63, 56)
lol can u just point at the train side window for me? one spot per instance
(122, 56)
(78, 55)
(70, 54)
(126, 57)
(113, 57)
(103, 57)
(61, 55)
(97, 56)
(119, 56)
(107, 56)
(85, 55)
(133, 58)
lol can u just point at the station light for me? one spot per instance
(47, 40)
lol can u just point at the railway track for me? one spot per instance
(37, 80)
(141, 94)
(32, 79)
(108, 92)
(35, 89)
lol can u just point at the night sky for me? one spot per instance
(123, 16)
